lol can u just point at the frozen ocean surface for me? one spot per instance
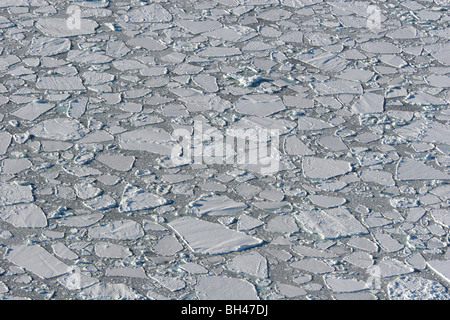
(224, 149)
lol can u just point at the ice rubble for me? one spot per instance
(88, 118)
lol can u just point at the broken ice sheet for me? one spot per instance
(416, 288)
(87, 120)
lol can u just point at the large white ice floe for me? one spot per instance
(37, 260)
(215, 206)
(224, 288)
(416, 288)
(62, 129)
(11, 193)
(409, 169)
(125, 229)
(60, 27)
(137, 199)
(211, 238)
(331, 223)
(151, 139)
(319, 168)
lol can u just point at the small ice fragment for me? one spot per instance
(197, 27)
(102, 202)
(172, 283)
(441, 216)
(44, 46)
(246, 223)
(386, 242)
(87, 191)
(77, 108)
(282, 224)
(377, 176)
(290, 291)
(338, 86)
(60, 83)
(194, 268)
(13, 166)
(84, 220)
